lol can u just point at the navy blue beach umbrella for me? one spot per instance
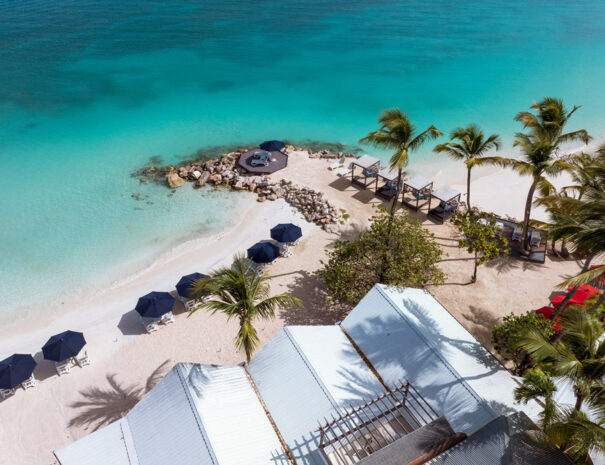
(183, 287)
(272, 145)
(155, 304)
(286, 232)
(263, 252)
(63, 346)
(16, 369)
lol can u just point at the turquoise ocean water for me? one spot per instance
(90, 90)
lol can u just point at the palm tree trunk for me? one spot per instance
(579, 402)
(474, 278)
(468, 188)
(399, 174)
(564, 251)
(598, 303)
(528, 202)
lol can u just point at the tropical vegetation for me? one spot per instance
(398, 133)
(470, 148)
(240, 292)
(393, 250)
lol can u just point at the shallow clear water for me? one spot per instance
(90, 90)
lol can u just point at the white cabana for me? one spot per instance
(420, 189)
(449, 202)
(369, 166)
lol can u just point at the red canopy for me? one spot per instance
(584, 292)
(547, 312)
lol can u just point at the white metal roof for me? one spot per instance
(418, 182)
(303, 375)
(407, 333)
(388, 174)
(366, 161)
(195, 414)
(109, 445)
(445, 193)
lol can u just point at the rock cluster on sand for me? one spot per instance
(224, 172)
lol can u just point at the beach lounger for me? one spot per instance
(29, 382)
(339, 164)
(536, 238)
(345, 171)
(167, 318)
(4, 393)
(63, 367)
(83, 360)
(150, 326)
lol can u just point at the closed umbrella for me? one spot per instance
(286, 232)
(183, 287)
(16, 369)
(272, 145)
(63, 346)
(155, 304)
(263, 252)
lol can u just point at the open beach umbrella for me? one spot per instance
(16, 369)
(286, 232)
(155, 304)
(272, 145)
(63, 346)
(183, 287)
(584, 292)
(263, 252)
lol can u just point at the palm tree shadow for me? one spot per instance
(100, 406)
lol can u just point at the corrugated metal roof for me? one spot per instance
(366, 161)
(303, 375)
(109, 445)
(197, 414)
(407, 333)
(234, 420)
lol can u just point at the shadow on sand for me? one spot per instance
(100, 406)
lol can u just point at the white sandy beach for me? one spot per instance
(35, 422)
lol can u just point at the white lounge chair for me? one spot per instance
(536, 238)
(29, 382)
(345, 171)
(150, 326)
(339, 164)
(63, 367)
(167, 318)
(518, 233)
(4, 393)
(83, 360)
(285, 250)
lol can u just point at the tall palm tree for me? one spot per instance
(240, 292)
(540, 149)
(594, 275)
(470, 149)
(398, 133)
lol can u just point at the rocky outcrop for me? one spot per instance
(223, 171)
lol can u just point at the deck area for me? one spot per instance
(536, 254)
(277, 162)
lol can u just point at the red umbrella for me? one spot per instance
(584, 292)
(546, 313)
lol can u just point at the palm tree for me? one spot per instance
(540, 149)
(398, 133)
(579, 357)
(240, 292)
(470, 149)
(591, 276)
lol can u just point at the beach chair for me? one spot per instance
(285, 251)
(339, 164)
(63, 367)
(4, 393)
(345, 171)
(536, 238)
(518, 232)
(29, 382)
(499, 228)
(150, 326)
(83, 360)
(167, 318)
(191, 304)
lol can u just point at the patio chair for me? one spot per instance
(150, 326)
(536, 238)
(83, 360)
(499, 228)
(4, 393)
(419, 195)
(29, 382)
(63, 367)
(167, 318)
(345, 171)
(368, 173)
(518, 232)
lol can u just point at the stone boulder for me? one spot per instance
(203, 179)
(174, 180)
